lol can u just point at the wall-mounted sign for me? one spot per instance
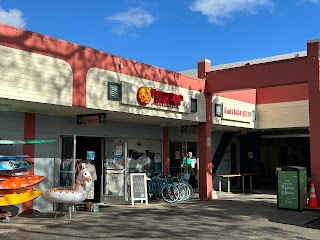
(91, 119)
(234, 112)
(237, 112)
(189, 129)
(144, 95)
(230, 112)
(160, 98)
(218, 109)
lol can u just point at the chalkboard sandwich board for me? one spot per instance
(138, 182)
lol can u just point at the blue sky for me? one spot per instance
(173, 34)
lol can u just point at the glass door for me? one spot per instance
(68, 161)
(114, 171)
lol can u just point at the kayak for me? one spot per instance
(13, 197)
(17, 182)
(15, 166)
(6, 158)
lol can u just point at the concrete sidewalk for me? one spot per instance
(253, 213)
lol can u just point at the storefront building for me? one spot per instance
(136, 117)
(126, 112)
(285, 96)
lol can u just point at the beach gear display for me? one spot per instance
(17, 189)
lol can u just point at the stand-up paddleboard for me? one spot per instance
(6, 158)
(9, 142)
(21, 181)
(13, 197)
(35, 141)
(15, 166)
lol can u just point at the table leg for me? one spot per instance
(220, 185)
(228, 185)
(242, 184)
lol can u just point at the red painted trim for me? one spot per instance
(203, 67)
(81, 59)
(205, 153)
(29, 133)
(279, 73)
(314, 114)
(280, 94)
(165, 145)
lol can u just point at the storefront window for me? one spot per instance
(145, 156)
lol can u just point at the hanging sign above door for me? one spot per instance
(91, 119)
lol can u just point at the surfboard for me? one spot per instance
(17, 182)
(13, 197)
(15, 166)
(34, 141)
(9, 142)
(6, 158)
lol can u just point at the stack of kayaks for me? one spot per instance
(17, 189)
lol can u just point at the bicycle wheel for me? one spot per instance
(170, 193)
(191, 191)
(186, 191)
(182, 192)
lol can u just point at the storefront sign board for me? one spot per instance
(138, 183)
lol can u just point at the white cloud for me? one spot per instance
(12, 17)
(218, 11)
(131, 19)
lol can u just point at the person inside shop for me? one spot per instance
(186, 167)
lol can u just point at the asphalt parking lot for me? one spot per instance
(249, 216)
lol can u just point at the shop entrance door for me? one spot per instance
(177, 151)
(114, 172)
(68, 161)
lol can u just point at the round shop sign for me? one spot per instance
(144, 95)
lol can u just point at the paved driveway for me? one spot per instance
(230, 217)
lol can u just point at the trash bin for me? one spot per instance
(291, 187)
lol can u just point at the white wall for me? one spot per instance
(44, 167)
(11, 127)
(34, 77)
(97, 96)
(283, 115)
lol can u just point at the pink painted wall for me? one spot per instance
(248, 96)
(279, 94)
(81, 59)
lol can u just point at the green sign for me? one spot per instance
(288, 190)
